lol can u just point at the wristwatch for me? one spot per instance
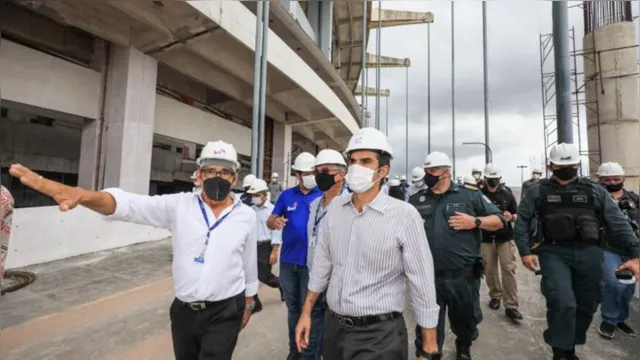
(429, 356)
(478, 222)
(250, 307)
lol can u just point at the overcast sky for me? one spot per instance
(516, 130)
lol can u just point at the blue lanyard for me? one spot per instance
(206, 219)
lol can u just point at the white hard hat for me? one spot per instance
(397, 177)
(369, 139)
(403, 178)
(248, 180)
(536, 170)
(258, 185)
(417, 173)
(304, 162)
(193, 176)
(502, 181)
(470, 180)
(475, 169)
(328, 156)
(564, 154)
(610, 169)
(394, 182)
(275, 175)
(492, 171)
(221, 151)
(437, 159)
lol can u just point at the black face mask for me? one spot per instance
(566, 173)
(493, 182)
(216, 188)
(325, 181)
(431, 180)
(614, 187)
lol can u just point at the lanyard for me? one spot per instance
(317, 220)
(200, 259)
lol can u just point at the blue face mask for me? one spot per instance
(431, 180)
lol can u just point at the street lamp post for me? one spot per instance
(485, 145)
(522, 167)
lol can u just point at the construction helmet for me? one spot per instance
(437, 159)
(475, 169)
(492, 171)
(537, 170)
(369, 139)
(328, 156)
(275, 175)
(257, 186)
(394, 182)
(610, 169)
(248, 180)
(417, 174)
(470, 180)
(403, 177)
(304, 162)
(564, 154)
(219, 151)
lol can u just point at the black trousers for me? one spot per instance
(386, 340)
(209, 334)
(264, 268)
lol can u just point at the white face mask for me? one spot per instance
(536, 176)
(360, 178)
(476, 176)
(274, 180)
(256, 200)
(418, 183)
(309, 181)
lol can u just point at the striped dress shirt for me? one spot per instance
(364, 260)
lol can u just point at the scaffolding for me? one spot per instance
(547, 84)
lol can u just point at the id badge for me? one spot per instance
(199, 260)
(312, 241)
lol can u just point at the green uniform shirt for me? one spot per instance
(452, 249)
(622, 237)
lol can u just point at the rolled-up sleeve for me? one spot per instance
(251, 260)
(418, 267)
(322, 265)
(276, 237)
(158, 211)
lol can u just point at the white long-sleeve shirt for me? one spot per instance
(264, 233)
(230, 259)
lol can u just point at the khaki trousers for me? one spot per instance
(502, 256)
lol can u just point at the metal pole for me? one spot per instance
(386, 109)
(574, 76)
(255, 123)
(429, 88)
(453, 90)
(486, 147)
(364, 63)
(560, 16)
(406, 169)
(263, 87)
(379, 52)
(485, 61)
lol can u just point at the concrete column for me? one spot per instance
(325, 30)
(280, 163)
(313, 15)
(129, 115)
(616, 90)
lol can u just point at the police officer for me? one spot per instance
(617, 296)
(498, 247)
(536, 175)
(395, 189)
(560, 221)
(477, 174)
(452, 216)
(503, 183)
(470, 183)
(417, 182)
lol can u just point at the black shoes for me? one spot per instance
(513, 314)
(258, 305)
(559, 354)
(494, 304)
(463, 352)
(281, 294)
(606, 330)
(294, 356)
(626, 329)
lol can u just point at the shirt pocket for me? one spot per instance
(451, 209)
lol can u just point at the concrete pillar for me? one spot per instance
(313, 15)
(325, 30)
(616, 90)
(129, 115)
(281, 162)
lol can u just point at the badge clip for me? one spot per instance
(199, 259)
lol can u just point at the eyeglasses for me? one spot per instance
(210, 173)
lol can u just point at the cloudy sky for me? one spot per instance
(515, 110)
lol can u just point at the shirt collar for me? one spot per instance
(267, 206)
(235, 197)
(378, 204)
(313, 191)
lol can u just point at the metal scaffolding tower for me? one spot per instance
(547, 82)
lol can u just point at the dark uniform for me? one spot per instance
(525, 185)
(563, 225)
(456, 257)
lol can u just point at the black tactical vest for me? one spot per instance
(568, 213)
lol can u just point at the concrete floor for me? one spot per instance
(113, 305)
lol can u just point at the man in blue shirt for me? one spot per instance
(291, 214)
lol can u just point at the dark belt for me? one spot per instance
(203, 305)
(262, 242)
(362, 321)
(455, 274)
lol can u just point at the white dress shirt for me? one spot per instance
(317, 213)
(230, 259)
(264, 233)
